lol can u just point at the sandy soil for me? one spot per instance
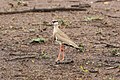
(20, 60)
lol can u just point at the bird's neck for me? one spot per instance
(56, 26)
(55, 29)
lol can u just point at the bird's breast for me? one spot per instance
(57, 40)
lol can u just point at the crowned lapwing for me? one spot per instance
(62, 39)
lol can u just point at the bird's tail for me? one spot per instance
(79, 48)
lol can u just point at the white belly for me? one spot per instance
(58, 41)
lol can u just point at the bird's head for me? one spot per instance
(55, 22)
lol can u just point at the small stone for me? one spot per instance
(106, 3)
(33, 61)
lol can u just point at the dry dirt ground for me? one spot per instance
(97, 29)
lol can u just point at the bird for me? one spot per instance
(61, 38)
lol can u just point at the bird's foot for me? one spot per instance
(57, 60)
(62, 60)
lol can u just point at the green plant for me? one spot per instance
(115, 52)
(81, 47)
(44, 55)
(38, 40)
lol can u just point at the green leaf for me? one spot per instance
(92, 18)
(38, 40)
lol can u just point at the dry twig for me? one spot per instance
(44, 10)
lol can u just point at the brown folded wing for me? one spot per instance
(61, 36)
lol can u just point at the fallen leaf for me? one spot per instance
(83, 69)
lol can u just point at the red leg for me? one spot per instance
(62, 51)
(58, 58)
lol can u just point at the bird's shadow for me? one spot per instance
(67, 61)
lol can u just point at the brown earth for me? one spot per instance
(20, 60)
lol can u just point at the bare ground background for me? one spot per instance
(20, 60)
